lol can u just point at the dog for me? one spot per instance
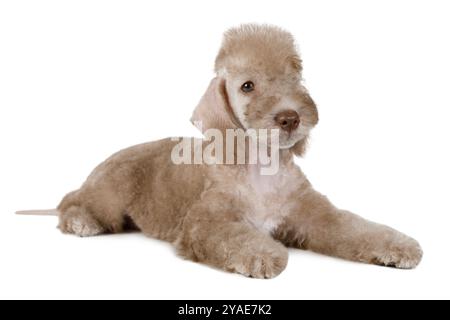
(229, 215)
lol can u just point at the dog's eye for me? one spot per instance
(248, 87)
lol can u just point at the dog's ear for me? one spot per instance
(214, 110)
(299, 149)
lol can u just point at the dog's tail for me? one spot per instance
(50, 212)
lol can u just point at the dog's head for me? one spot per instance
(259, 85)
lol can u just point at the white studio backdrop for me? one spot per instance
(80, 80)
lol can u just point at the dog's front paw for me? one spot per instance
(404, 253)
(265, 265)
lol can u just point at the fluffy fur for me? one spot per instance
(230, 216)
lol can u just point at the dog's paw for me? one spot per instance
(83, 228)
(80, 224)
(265, 265)
(404, 253)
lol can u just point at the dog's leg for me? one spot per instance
(212, 237)
(318, 226)
(89, 212)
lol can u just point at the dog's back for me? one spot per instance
(139, 184)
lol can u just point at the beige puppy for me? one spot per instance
(231, 216)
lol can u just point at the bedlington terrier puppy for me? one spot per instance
(228, 214)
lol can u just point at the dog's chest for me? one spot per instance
(270, 198)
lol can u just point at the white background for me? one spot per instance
(80, 80)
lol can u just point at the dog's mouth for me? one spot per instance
(280, 139)
(288, 139)
(290, 142)
(287, 145)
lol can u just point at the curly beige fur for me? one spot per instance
(230, 216)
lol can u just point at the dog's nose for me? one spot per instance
(288, 120)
